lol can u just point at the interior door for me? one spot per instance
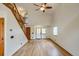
(1, 36)
(28, 33)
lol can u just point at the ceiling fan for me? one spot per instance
(43, 6)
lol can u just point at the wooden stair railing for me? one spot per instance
(15, 12)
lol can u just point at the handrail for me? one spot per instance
(15, 12)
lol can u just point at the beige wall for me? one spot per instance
(66, 18)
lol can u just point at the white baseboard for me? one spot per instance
(55, 40)
(18, 48)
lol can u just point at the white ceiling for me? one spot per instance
(38, 17)
(32, 8)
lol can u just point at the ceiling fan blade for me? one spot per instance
(36, 9)
(37, 5)
(48, 7)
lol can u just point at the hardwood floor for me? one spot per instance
(41, 47)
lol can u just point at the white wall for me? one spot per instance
(66, 18)
(11, 45)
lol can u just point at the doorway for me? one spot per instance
(27, 32)
(1, 36)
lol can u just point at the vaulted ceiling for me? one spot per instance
(38, 17)
(32, 8)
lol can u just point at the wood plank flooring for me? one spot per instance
(40, 47)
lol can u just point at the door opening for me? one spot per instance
(27, 32)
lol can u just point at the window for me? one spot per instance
(40, 32)
(55, 30)
(43, 30)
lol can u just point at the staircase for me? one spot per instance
(14, 10)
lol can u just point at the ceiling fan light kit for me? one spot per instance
(42, 8)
